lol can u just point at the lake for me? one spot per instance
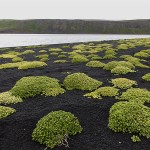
(12, 40)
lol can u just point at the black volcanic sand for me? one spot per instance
(16, 130)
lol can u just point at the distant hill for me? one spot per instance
(56, 26)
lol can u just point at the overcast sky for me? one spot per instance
(75, 9)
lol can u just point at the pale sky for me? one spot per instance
(75, 9)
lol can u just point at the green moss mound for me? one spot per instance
(7, 55)
(130, 117)
(44, 59)
(136, 95)
(43, 51)
(54, 53)
(60, 61)
(42, 56)
(96, 58)
(23, 65)
(141, 54)
(6, 111)
(28, 52)
(95, 64)
(146, 77)
(79, 59)
(62, 56)
(121, 70)
(103, 91)
(54, 128)
(55, 50)
(33, 64)
(135, 138)
(109, 56)
(111, 65)
(8, 98)
(17, 59)
(123, 83)
(34, 85)
(81, 81)
(136, 61)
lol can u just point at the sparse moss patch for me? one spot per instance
(146, 77)
(103, 91)
(8, 98)
(6, 111)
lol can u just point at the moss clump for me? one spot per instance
(146, 51)
(146, 77)
(42, 51)
(121, 70)
(135, 138)
(81, 81)
(95, 64)
(66, 46)
(60, 61)
(54, 128)
(17, 59)
(141, 54)
(28, 52)
(7, 55)
(96, 58)
(44, 59)
(123, 83)
(79, 59)
(32, 64)
(136, 95)
(111, 65)
(110, 52)
(62, 56)
(42, 56)
(34, 85)
(130, 117)
(92, 55)
(8, 98)
(109, 56)
(6, 111)
(136, 62)
(9, 65)
(54, 53)
(55, 49)
(122, 47)
(23, 65)
(103, 91)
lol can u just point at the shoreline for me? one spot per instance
(59, 41)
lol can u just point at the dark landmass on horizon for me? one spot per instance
(63, 26)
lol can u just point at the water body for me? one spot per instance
(12, 40)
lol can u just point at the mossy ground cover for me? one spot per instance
(35, 85)
(146, 77)
(7, 98)
(6, 111)
(55, 128)
(92, 113)
(123, 83)
(81, 81)
(130, 117)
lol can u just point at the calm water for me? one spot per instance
(11, 40)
